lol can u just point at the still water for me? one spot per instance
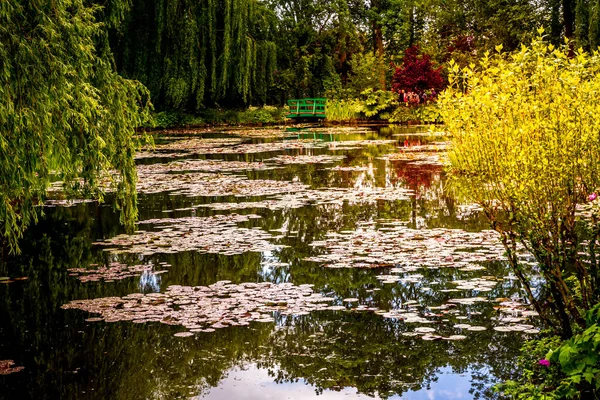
(405, 305)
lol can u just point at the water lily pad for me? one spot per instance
(111, 272)
(218, 234)
(477, 328)
(424, 329)
(6, 367)
(462, 326)
(183, 334)
(456, 337)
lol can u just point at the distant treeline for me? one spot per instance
(193, 54)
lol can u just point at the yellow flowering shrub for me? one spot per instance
(525, 146)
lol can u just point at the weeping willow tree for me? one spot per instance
(193, 53)
(64, 112)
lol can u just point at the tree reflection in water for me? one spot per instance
(349, 351)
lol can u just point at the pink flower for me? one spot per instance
(544, 363)
(593, 196)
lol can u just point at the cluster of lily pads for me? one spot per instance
(188, 144)
(306, 159)
(7, 367)
(218, 234)
(8, 279)
(223, 304)
(206, 308)
(185, 146)
(66, 202)
(301, 198)
(203, 166)
(210, 184)
(398, 245)
(113, 271)
(357, 144)
(197, 146)
(429, 154)
(414, 158)
(354, 168)
(449, 311)
(261, 133)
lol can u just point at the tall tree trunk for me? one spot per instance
(568, 17)
(378, 42)
(568, 8)
(582, 19)
(555, 26)
(380, 56)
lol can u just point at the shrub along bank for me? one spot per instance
(525, 145)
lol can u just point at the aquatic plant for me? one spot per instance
(218, 234)
(7, 367)
(395, 244)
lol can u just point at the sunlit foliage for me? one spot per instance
(62, 108)
(526, 134)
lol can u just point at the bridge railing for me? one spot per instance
(307, 108)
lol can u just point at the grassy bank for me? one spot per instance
(252, 116)
(341, 111)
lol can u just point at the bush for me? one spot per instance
(370, 105)
(417, 74)
(343, 110)
(250, 116)
(424, 113)
(168, 119)
(537, 379)
(554, 370)
(525, 145)
(376, 103)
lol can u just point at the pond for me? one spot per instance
(268, 264)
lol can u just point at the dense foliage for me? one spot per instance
(235, 53)
(417, 74)
(554, 370)
(63, 108)
(526, 129)
(193, 53)
(526, 135)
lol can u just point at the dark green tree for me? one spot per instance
(582, 19)
(192, 54)
(594, 27)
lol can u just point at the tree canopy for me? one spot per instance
(232, 53)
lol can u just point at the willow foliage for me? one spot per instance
(526, 143)
(62, 108)
(191, 53)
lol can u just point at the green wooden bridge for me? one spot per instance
(307, 108)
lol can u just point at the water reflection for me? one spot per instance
(331, 353)
(149, 282)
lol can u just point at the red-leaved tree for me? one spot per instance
(416, 74)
